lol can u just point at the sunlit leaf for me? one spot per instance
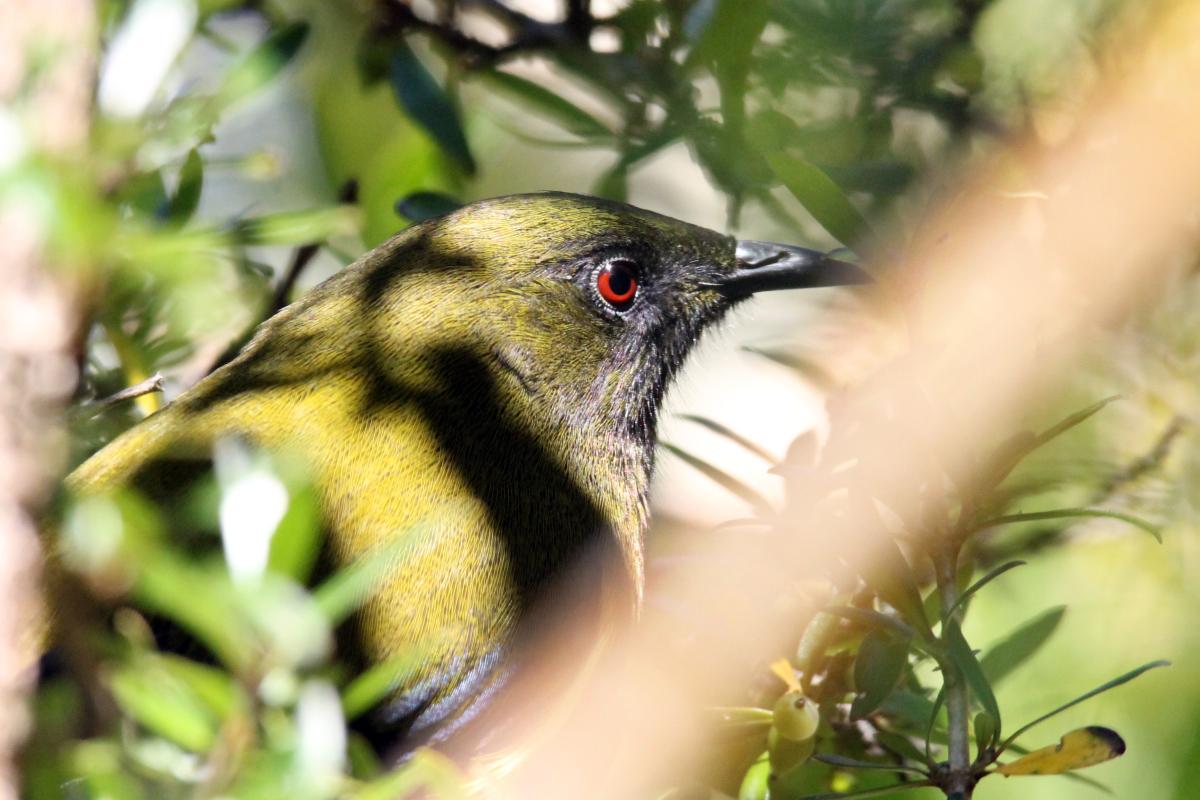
(1016, 648)
(427, 104)
(1104, 687)
(1080, 748)
(298, 227)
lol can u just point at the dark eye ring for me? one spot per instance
(617, 283)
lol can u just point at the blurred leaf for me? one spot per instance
(1070, 513)
(891, 577)
(548, 104)
(296, 541)
(260, 66)
(991, 575)
(297, 227)
(878, 668)
(961, 654)
(820, 196)
(1077, 749)
(343, 592)
(878, 791)
(420, 206)
(808, 368)
(427, 770)
(163, 704)
(731, 435)
(187, 194)
(1021, 644)
(834, 760)
(872, 618)
(1070, 421)
(214, 687)
(428, 105)
(378, 682)
(1104, 687)
(727, 481)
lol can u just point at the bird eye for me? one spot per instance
(617, 282)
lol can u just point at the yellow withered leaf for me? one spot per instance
(1079, 748)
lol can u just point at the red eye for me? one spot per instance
(617, 283)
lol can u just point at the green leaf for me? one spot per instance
(962, 656)
(875, 619)
(985, 730)
(163, 704)
(263, 63)
(727, 481)
(823, 198)
(1021, 644)
(214, 687)
(853, 763)
(810, 369)
(547, 103)
(878, 668)
(420, 206)
(1104, 687)
(297, 227)
(991, 575)
(426, 770)
(1070, 421)
(878, 791)
(427, 104)
(891, 577)
(731, 435)
(1069, 513)
(375, 684)
(187, 194)
(296, 542)
(342, 593)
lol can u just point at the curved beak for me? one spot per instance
(765, 266)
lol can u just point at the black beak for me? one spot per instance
(765, 266)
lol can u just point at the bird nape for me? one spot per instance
(482, 388)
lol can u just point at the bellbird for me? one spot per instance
(489, 379)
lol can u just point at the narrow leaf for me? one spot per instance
(979, 584)
(823, 198)
(548, 104)
(427, 104)
(852, 763)
(1104, 687)
(1068, 513)
(1077, 749)
(1070, 421)
(264, 62)
(727, 481)
(375, 684)
(1018, 646)
(962, 656)
(731, 435)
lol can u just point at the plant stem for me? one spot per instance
(959, 781)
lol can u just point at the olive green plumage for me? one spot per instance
(468, 380)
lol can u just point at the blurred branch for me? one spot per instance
(1147, 463)
(152, 384)
(46, 64)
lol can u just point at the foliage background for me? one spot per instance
(890, 100)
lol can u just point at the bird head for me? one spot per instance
(588, 307)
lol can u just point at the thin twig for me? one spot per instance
(152, 384)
